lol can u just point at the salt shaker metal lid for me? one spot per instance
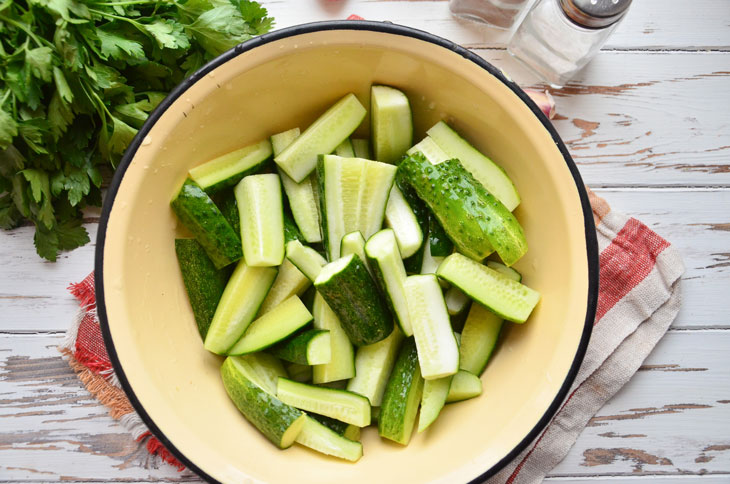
(595, 14)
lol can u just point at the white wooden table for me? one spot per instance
(648, 124)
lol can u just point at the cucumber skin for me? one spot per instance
(226, 202)
(331, 423)
(471, 216)
(201, 216)
(319, 174)
(266, 412)
(441, 245)
(291, 231)
(204, 283)
(294, 349)
(420, 210)
(232, 181)
(354, 297)
(405, 384)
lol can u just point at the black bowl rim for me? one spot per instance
(384, 27)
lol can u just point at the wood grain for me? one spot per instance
(670, 419)
(650, 24)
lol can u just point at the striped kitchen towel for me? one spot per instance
(639, 297)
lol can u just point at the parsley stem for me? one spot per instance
(25, 29)
(128, 2)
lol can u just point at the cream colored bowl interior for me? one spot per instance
(287, 83)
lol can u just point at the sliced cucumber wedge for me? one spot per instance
(319, 437)
(464, 386)
(227, 170)
(338, 404)
(262, 219)
(241, 300)
(391, 123)
(508, 298)
(478, 339)
(433, 400)
(373, 364)
(473, 219)
(312, 347)
(400, 218)
(508, 272)
(289, 282)
(196, 211)
(262, 369)
(299, 159)
(354, 243)
(304, 258)
(430, 150)
(274, 326)
(297, 372)
(361, 148)
(345, 149)
(402, 395)
(438, 353)
(390, 274)
(456, 301)
(302, 196)
(353, 195)
(279, 422)
(342, 360)
(349, 290)
(490, 175)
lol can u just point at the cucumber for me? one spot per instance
(352, 432)
(504, 270)
(289, 282)
(430, 263)
(196, 211)
(342, 361)
(227, 170)
(204, 284)
(319, 437)
(375, 414)
(389, 273)
(279, 422)
(430, 150)
(312, 347)
(464, 386)
(334, 126)
(338, 404)
(291, 231)
(413, 263)
(439, 242)
(297, 372)
(391, 123)
(262, 220)
(458, 320)
(361, 148)
(225, 200)
(337, 426)
(241, 299)
(373, 364)
(486, 172)
(402, 396)
(353, 194)
(473, 219)
(351, 293)
(345, 149)
(456, 301)
(438, 353)
(304, 258)
(400, 217)
(478, 339)
(303, 200)
(272, 327)
(308, 298)
(354, 243)
(507, 298)
(433, 400)
(262, 369)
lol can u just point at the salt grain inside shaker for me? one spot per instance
(558, 37)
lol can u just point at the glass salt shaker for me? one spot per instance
(558, 37)
(497, 13)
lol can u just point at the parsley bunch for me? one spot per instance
(77, 79)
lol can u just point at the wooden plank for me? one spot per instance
(650, 24)
(33, 294)
(673, 417)
(637, 119)
(677, 409)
